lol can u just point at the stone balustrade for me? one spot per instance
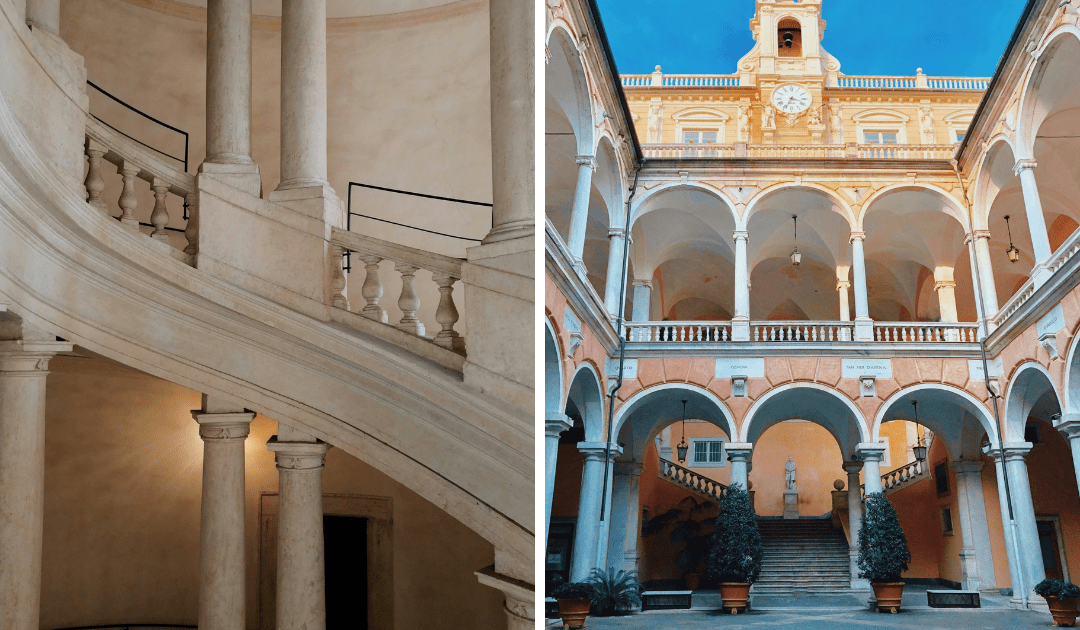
(677, 331)
(801, 151)
(445, 272)
(920, 81)
(903, 474)
(800, 331)
(713, 490)
(924, 332)
(1062, 255)
(134, 161)
(680, 80)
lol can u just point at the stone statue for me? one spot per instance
(815, 116)
(836, 126)
(770, 117)
(789, 468)
(928, 126)
(654, 123)
(744, 124)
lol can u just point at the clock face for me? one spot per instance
(791, 99)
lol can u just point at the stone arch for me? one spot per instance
(574, 95)
(938, 403)
(639, 206)
(807, 401)
(1031, 390)
(553, 369)
(1071, 377)
(586, 394)
(1029, 120)
(702, 405)
(608, 179)
(954, 207)
(979, 202)
(752, 206)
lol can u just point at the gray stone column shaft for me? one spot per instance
(23, 371)
(864, 327)
(976, 559)
(1040, 240)
(303, 94)
(222, 567)
(740, 454)
(855, 516)
(1027, 532)
(986, 273)
(642, 301)
(587, 534)
(604, 541)
(1070, 428)
(614, 282)
(871, 455)
(228, 81)
(633, 518)
(513, 142)
(579, 214)
(555, 424)
(44, 14)
(301, 586)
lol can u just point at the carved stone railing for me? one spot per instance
(680, 80)
(686, 478)
(132, 162)
(919, 81)
(677, 331)
(800, 331)
(924, 332)
(801, 151)
(445, 272)
(912, 471)
(1064, 253)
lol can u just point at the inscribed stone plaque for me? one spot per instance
(975, 368)
(854, 368)
(611, 368)
(751, 368)
(1051, 322)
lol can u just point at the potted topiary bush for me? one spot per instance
(1062, 598)
(574, 599)
(883, 552)
(614, 592)
(735, 559)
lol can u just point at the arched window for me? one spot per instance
(789, 38)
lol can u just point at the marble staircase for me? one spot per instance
(805, 554)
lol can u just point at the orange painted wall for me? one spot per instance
(1054, 491)
(564, 503)
(818, 463)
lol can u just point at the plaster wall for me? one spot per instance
(408, 108)
(123, 490)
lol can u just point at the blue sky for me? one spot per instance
(944, 38)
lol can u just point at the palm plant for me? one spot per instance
(614, 592)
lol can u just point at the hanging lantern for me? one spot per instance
(796, 257)
(919, 449)
(1014, 254)
(682, 448)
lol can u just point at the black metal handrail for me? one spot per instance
(128, 626)
(183, 160)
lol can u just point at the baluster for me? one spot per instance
(372, 290)
(94, 182)
(191, 231)
(128, 201)
(338, 282)
(697, 333)
(409, 301)
(447, 314)
(159, 218)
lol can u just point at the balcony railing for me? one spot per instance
(680, 80)
(917, 82)
(687, 478)
(799, 331)
(1064, 253)
(801, 151)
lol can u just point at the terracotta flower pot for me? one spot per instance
(734, 596)
(574, 612)
(888, 595)
(693, 580)
(1064, 611)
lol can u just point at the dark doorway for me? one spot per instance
(1051, 549)
(345, 540)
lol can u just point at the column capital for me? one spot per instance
(966, 466)
(586, 160)
(520, 604)
(298, 456)
(555, 423)
(1014, 451)
(1069, 426)
(944, 284)
(843, 284)
(852, 468)
(1025, 164)
(642, 283)
(977, 234)
(223, 427)
(739, 451)
(856, 235)
(740, 235)
(595, 451)
(29, 356)
(620, 232)
(870, 451)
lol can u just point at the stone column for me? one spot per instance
(44, 15)
(986, 273)
(1028, 567)
(24, 362)
(842, 287)
(614, 283)
(587, 530)
(555, 424)
(519, 606)
(579, 216)
(223, 427)
(513, 141)
(871, 454)
(601, 561)
(740, 319)
(228, 95)
(855, 514)
(1069, 425)
(642, 300)
(301, 585)
(976, 560)
(864, 327)
(946, 293)
(1040, 240)
(740, 454)
(631, 555)
(303, 94)
(619, 531)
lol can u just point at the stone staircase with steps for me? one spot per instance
(803, 555)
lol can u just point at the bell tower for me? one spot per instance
(788, 35)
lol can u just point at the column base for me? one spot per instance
(520, 604)
(241, 176)
(740, 330)
(318, 201)
(510, 231)
(864, 329)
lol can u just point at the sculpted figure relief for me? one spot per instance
(769, 116)
(744, 124)
(654, 123)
